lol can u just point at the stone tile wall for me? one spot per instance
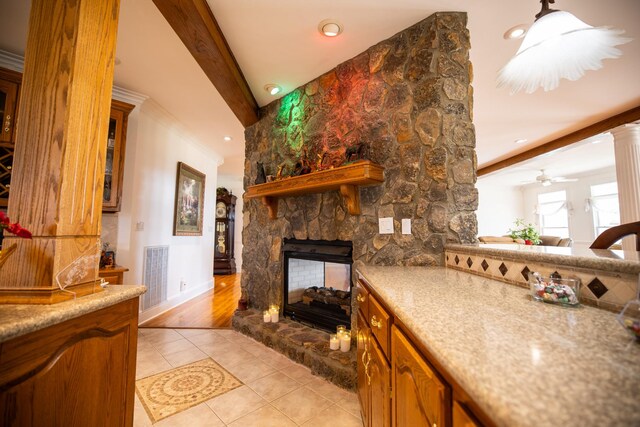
(604, 289)
(407, 103)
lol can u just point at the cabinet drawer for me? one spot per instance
(362, 298)
(462, 417)
(113, 279)
(380, 323)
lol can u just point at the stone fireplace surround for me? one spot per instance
(408, 99)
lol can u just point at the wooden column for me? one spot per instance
(58, 172)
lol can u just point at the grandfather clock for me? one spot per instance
(223, 258)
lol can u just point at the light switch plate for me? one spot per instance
(406, 225)
(139, 226)
(385, 225)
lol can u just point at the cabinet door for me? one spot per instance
(419, 397)
(112, 173)
(380, 373)
(8, 98)
(363, 374)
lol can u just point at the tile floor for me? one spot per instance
(277, 391)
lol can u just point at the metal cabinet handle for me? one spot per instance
(366, 369)
(361, 298)
(375, 322)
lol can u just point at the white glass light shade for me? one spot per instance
(558, 45)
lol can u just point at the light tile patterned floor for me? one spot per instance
(277, 391)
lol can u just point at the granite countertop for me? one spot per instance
(525, 363)
(21, 319)
(579, 256)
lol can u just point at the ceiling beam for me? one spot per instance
(196, 26)
(628, 116)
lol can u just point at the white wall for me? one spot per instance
(580, 222)
(499, 206)
(156, 142)
(234, 184)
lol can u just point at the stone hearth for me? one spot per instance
(301, 344)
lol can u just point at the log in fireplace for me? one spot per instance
(317, 282)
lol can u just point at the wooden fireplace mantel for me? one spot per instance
(346, 179)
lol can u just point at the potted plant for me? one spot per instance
(525, 232)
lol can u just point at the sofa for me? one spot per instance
(545, 240)
(499, 239)
(564, 242)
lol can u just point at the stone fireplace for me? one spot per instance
(407, 104)
(317, 282)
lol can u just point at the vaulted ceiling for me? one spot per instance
(277, 41)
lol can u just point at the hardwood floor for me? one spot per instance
(212, 309)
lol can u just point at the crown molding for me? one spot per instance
(15, 62)
(11, 61)
(126, 95)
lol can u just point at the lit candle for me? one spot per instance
(345, 342)
(340, 329)
(334, 342)
(266, 316)
(275, 313)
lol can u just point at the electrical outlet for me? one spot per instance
(183, 285)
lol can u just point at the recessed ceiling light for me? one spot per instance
(516, 32)
(273, 89)
(520, 141)
(227, 138)
(329, 28)
(597, 141)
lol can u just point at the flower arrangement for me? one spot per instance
(13, 228)
(525, 232)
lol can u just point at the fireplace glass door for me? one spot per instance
(318, 284)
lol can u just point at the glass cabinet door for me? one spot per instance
(108, 170)
(8, 96)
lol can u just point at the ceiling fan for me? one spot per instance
(547, 180)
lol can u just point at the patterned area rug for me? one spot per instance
(173, 391)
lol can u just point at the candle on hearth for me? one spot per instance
(345, 342)
(334, 342)
(266, 316)
(275, 313)
(340, 329)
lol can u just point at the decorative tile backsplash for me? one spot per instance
(604, 289)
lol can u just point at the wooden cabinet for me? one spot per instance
(462, 417)
(398, 384)
(116, 142)
(79, 372)
(114, 165)
(420, 398)
(113, 275)
(374, 377)
(9, 91)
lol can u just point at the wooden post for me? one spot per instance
(58, 171)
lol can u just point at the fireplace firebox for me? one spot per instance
(317, 282)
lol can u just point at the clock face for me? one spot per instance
(221, 210)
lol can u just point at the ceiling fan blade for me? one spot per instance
(561, 179)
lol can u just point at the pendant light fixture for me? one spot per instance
(558, 45)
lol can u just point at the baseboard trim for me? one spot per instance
(174, 302)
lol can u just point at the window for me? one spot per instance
(554, 218)
(604, 206)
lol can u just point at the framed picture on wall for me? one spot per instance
(189, 201)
